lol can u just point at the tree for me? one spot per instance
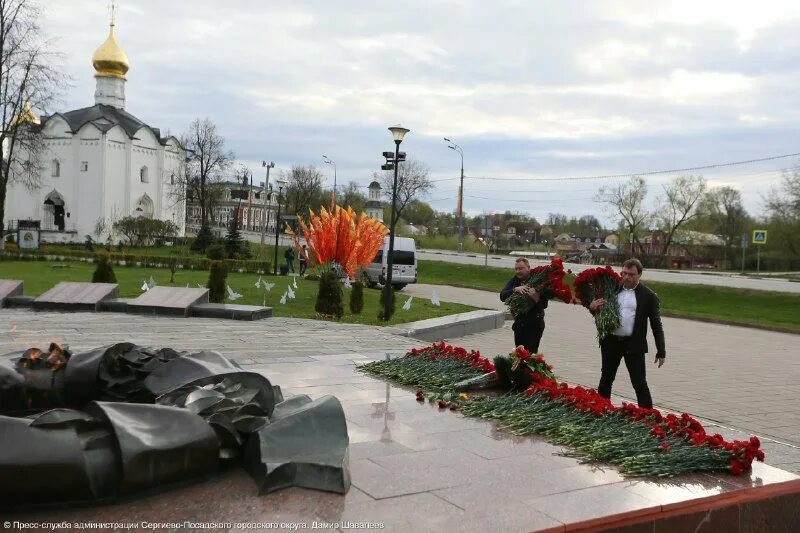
(419, 212)
(27, 81)
(721, 212)
(351, 195)
(412, 183)
(233, 240)
(207, 161)
(783, 212)
(678, 206)
(303, 186)
(626, 203)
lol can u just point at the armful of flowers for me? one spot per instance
(600, 283)
(548, 280)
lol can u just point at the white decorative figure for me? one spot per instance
(283, 299)
(232, 294)
(258, 283)
(145, 288)
(267, 286)
(407, 305)
(152, 282)
(290, 292)
(435, 299)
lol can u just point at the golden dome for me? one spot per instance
(109, 59)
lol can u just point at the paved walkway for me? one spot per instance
(743, 378)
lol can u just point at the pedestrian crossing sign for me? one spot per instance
(759, 236)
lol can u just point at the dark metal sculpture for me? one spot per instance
(123, 418)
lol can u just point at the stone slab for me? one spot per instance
(452, 326)
(19, 301)
(9, 287)
(75, 296)
(231, 311)
(173, 301)
(115, 305)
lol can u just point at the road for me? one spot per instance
(665, 276)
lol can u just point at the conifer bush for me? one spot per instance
(357, 298)
(104, 273)
(217, 278)
(329, 296)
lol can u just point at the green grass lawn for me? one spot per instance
(740, 306)
(39, 276)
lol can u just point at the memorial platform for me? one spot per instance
(9, 288)
(75, 296)
(173, 301)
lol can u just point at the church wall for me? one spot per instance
(144, 153)
(22, 203)
(87, 201)
(116, 173)
(171, 157)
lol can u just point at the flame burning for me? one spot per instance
(55, 359)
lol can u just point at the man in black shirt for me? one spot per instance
(528, 327)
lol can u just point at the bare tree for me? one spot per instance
(626, 203)
(678, 206)
(28, 80)
(413, 182)
(303, 185)
(207, 161)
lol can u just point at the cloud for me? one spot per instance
(529, 89)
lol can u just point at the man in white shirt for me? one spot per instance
(637, 305)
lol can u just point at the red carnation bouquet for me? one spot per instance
(548, 280)
(595, 283)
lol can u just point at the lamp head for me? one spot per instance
(280, 183)
(398, 132)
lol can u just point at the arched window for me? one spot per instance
(56, 168)
(143, 177)
(144, 207)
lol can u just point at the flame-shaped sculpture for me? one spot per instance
(341, 237)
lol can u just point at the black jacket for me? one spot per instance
(647, 308)
(536, 311)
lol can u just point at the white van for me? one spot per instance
(404, 268)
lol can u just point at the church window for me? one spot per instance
(84, 166)
(56, 168)
(172, 179)
(143, 177)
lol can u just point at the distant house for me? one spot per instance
(415, 229)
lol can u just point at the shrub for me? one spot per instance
(357, 298)
(391, 305)
(103, 273)
(329, 296)
(11, 247)
(215, 252)
(216, 282)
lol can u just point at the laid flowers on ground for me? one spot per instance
(641, 442)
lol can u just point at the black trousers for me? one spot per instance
(528, 332)
(613, 350)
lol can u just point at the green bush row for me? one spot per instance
(123, 259)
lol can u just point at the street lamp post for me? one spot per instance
(280, 184)
(457, 148)
(330, 161)
(264, 212)
(398, 133)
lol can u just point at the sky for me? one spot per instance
(536, 93)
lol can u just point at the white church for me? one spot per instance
(101, 163)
